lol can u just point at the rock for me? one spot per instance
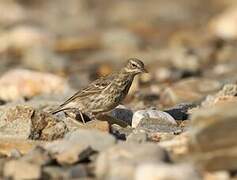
(79, 145)
(125, 157)
(16, 122)
(54, 172)
(180, 111)
(188, 90)
(122, 113)
(17, 169)
(138, 136)
(111, 120)
(44, 59)
(121, 132)
(23, 122)
(68, 152)
(95, 139)
(74, 154)
(159, 116)
(15, 153)
(121, 40)
(22, 37)
(163, 172)
(213, 137)
(20, 83)
(91, 125)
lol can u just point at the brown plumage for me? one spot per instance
(106, 93)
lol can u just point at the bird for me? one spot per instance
(105, 93)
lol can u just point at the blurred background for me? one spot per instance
(189, 46)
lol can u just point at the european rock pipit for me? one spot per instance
(103, 94)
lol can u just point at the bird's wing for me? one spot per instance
(95, 87)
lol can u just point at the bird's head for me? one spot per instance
(135, 66)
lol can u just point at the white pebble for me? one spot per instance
(154, 114)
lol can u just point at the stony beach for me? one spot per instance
(178, 122)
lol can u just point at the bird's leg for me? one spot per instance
(82, 118)
(74, 113)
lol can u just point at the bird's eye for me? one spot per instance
(134, 65)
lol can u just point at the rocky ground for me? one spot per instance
(178, 122)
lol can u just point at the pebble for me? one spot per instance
(159, 116)
(121, 112)
(17, 169)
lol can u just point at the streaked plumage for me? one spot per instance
(106, 93)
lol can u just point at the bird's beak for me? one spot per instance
(144, 71)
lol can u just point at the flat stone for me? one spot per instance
(125, 157)
(24, 122)
(97, 140)
(79, 145)
(213, 136)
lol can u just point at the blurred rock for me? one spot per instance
(227, 93)
(38, 156)
(11, 13)
(188, 90)
(97, 140)
(121, 132)
(23, 122)
(74, 154)
(213, 137)
(224, 25)
(159, 117)
(17, 169)
(138, 136)
(22, 146)
(21, 38)
(125, 157)
(163, 172)
(121, 40)
(20, 83)
(44, 59)
(54, 172)
(79, 145)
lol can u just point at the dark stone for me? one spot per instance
(180, 111)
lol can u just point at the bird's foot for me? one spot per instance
(76, 115)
